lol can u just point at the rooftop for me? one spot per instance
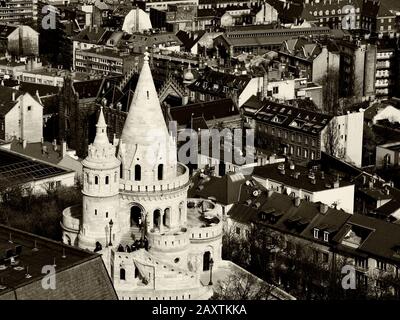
(80, 274)
(19, 169)
(299, 177)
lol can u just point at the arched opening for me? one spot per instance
(138, 172)
(136, 273)
(122, 274)
(221, 169)
(121, 171)
(181, 206)
(167, 217)
(157, 218)
(96, 180)
(206, 260)
(136, 216)
(107, 180)
(160, 172)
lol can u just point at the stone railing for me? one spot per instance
(72, 217)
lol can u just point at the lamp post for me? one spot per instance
(111, 225)
(211, 267)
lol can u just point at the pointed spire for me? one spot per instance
(145, 121)
(101, 130)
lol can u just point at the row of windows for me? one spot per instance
(285, 135)
(138, 172)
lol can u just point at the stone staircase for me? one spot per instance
(128, 237)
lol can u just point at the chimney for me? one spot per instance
(297, 201)
(371, 183)
(63, 148)
(292, 166)
(54, 145)
(13, 96)
(24, 143)
(323, 208)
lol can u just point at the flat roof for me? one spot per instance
(72, 265)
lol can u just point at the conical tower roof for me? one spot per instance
(101, 131)
(145, 121)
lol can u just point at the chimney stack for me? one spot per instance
(63, 148)
(297, 201)
(13, 96)
(323, 208)
(24, 143)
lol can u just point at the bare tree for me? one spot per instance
(241, 285)
(331, 140)
(330, 92)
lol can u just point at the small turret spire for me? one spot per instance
(101, 130)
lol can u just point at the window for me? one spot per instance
(29, 108)
(138, 172)
(96, 180)
(237, 230)
(325, 257)
(275, 90)
(361, 262)
(122, 274)
(316, 231)
(107, 214)
(95, 212)
(326, 236)
(160, 171)
(107, 180)
(381, 265)
(316, 256)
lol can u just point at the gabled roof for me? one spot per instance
(6, 102)
(285, 116)
(214, 83)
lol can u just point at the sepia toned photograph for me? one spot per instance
(200, 158)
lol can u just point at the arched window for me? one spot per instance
(160, 171)
(121, 171)
(96, 180)
(95, 212)
(107, 179)
(122, 274)
(138, 172)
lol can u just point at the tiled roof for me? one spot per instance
(214, 82)
(80, 275)
(285, 116)
(212, 110)
(6, 30)
(383, 237)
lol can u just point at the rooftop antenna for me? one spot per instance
(27, 275)
(35, 248)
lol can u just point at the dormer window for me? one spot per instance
(316, 233)
(326, 236)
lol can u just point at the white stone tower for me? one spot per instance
(154, 184)
(100, 189)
